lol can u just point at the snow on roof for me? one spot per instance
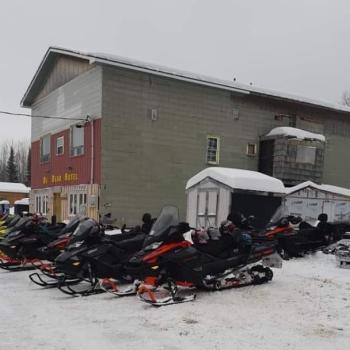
(23, 201)
(4, 202)
(295, 133)
(14, 187)
(239, 179)
(128, 63)
(327, 188)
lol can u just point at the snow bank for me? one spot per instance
(240, 179)
(296, 133)
(14, 187)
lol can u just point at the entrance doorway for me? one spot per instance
(57, 206)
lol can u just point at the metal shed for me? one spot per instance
(308, 200)
(215, 192)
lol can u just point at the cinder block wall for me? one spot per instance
(146, 163)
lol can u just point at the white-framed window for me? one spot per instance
(76, 140)
(77, 203)
(45, 148)
(41, 203)
(60, 146)
(213, 149)
(251, 149)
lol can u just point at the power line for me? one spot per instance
(41, 116)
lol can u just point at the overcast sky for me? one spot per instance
(299, 46)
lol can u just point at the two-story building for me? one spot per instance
(132, 134)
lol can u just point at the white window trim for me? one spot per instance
(80, 199)
(60, 138)
(81, 147)
(217, 155)
(42, 160)
(41, 204)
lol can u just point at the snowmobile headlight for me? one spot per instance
(156, 267)
(153, 246)
(13, 246)
(76, 263)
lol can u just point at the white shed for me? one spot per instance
(215, 192)
(308, 200)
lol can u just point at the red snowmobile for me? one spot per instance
(170, 266)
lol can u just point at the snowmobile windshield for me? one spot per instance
(168, 217)
(20, 224)
(14, 221)
(73, 223)
(83, 230)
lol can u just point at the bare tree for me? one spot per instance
(346, 98)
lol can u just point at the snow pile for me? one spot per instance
(305, 306)
(239, 179)
(14, 187)
(296, 133)
(23, 201)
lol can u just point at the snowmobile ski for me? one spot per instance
(111, 285)
(93, 288)
(162, 296)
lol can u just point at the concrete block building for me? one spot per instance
(134, 133)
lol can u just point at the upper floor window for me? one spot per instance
(77, 140)
(213, 149)
(45, 148)
(60, 145)
(306, 154)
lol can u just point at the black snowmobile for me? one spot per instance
(49, 253)
(22, 245)
(307, 238)
(92, 255)
(226, 260)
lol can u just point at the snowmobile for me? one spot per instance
(21, 245)
(341, 250)
(47, 254)
(169, 260)
(8, 225)
(307, 238)
(93, 256)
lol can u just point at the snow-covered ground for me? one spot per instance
(306, 306)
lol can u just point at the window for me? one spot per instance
(251, 149)
(213, 149)
(45, 148)
(77, 140)
(306, 154)
(77, 203)
(60, 145)
(41, 204)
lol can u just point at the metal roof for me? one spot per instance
(106, 59)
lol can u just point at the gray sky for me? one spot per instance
(299, 46)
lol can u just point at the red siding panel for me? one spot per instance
(64, 169)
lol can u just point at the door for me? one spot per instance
(207, 204)
(57, 206)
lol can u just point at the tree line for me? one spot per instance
(15, 162)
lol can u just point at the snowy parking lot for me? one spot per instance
(306, 306)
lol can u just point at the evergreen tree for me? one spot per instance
(29, 168)
(11, 168)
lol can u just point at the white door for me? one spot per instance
(207, 205)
